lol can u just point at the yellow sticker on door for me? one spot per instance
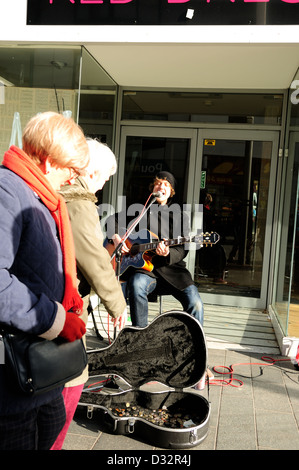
(211, 142)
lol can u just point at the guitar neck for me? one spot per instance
(174, 241)
(203, 239)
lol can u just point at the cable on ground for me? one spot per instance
(229, 371)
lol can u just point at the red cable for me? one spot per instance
(230, 370)
(96, 383)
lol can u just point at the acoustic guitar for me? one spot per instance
(143, 244)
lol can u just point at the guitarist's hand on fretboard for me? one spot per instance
(162, 249)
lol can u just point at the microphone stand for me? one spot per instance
(117, 252)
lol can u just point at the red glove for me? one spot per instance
(74, 327)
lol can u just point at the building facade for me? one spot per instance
(208, 90)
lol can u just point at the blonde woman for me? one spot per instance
(38, 288)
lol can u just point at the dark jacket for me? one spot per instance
(165, 222)
(31, 276)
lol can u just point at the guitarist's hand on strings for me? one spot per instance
(116, 241)
(162, 249)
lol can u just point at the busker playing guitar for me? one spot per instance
(169, 275)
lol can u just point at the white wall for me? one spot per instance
(13, 28)
(191, 57)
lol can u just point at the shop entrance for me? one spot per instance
(232, 174)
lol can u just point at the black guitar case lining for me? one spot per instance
(172, 351)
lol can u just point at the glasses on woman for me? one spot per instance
(75, 172)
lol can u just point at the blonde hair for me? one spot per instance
(55, 136)
(101, 156)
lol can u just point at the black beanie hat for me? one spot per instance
(165, 175)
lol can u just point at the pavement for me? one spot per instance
(254, 403)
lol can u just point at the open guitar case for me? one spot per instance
(171, 350)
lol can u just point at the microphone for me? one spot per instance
(158, 194)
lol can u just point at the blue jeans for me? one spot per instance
(140, 285)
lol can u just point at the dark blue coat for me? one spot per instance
(31, 274)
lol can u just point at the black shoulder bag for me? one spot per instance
(38, 365)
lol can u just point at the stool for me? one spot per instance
(160, 304)
(153, 297)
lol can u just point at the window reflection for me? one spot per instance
(237, 183)
(244, 108)
(97, 100)
(35, 79)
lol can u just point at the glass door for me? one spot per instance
(230, 175)
(286, 289)
(144, 151)
(237, 175)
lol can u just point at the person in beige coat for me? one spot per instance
(94, 269)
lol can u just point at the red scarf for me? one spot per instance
(17, 161)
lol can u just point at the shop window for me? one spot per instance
(33, 80)
(248, 108)
(65, 80)
(97, 100)
(286, 302)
